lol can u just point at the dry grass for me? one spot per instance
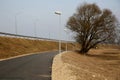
(100, 64)
(108, 46)
(16, 46)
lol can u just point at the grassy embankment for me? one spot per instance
(16, 46)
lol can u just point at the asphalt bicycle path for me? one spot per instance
(31, 67)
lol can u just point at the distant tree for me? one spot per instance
(118, 34)
(92, 26)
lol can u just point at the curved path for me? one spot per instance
(32, 67)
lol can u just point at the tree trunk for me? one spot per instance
(84, 51)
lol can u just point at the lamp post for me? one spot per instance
(35, 26)
(66, 39)
(16, 26)
(59, 14)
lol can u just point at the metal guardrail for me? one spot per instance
(23, 36)
(30, 37)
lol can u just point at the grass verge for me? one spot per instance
(100, 64)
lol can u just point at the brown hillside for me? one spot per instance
(16, 46)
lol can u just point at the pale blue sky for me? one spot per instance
(41, 12)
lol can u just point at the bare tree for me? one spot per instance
(92, 26)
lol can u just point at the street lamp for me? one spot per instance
(35, 27)
(59, 14)
(67, 38)
(16, 26)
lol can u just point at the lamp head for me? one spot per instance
(58, 12)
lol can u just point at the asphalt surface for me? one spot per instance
(32, 67)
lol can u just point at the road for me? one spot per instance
(32, 67)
